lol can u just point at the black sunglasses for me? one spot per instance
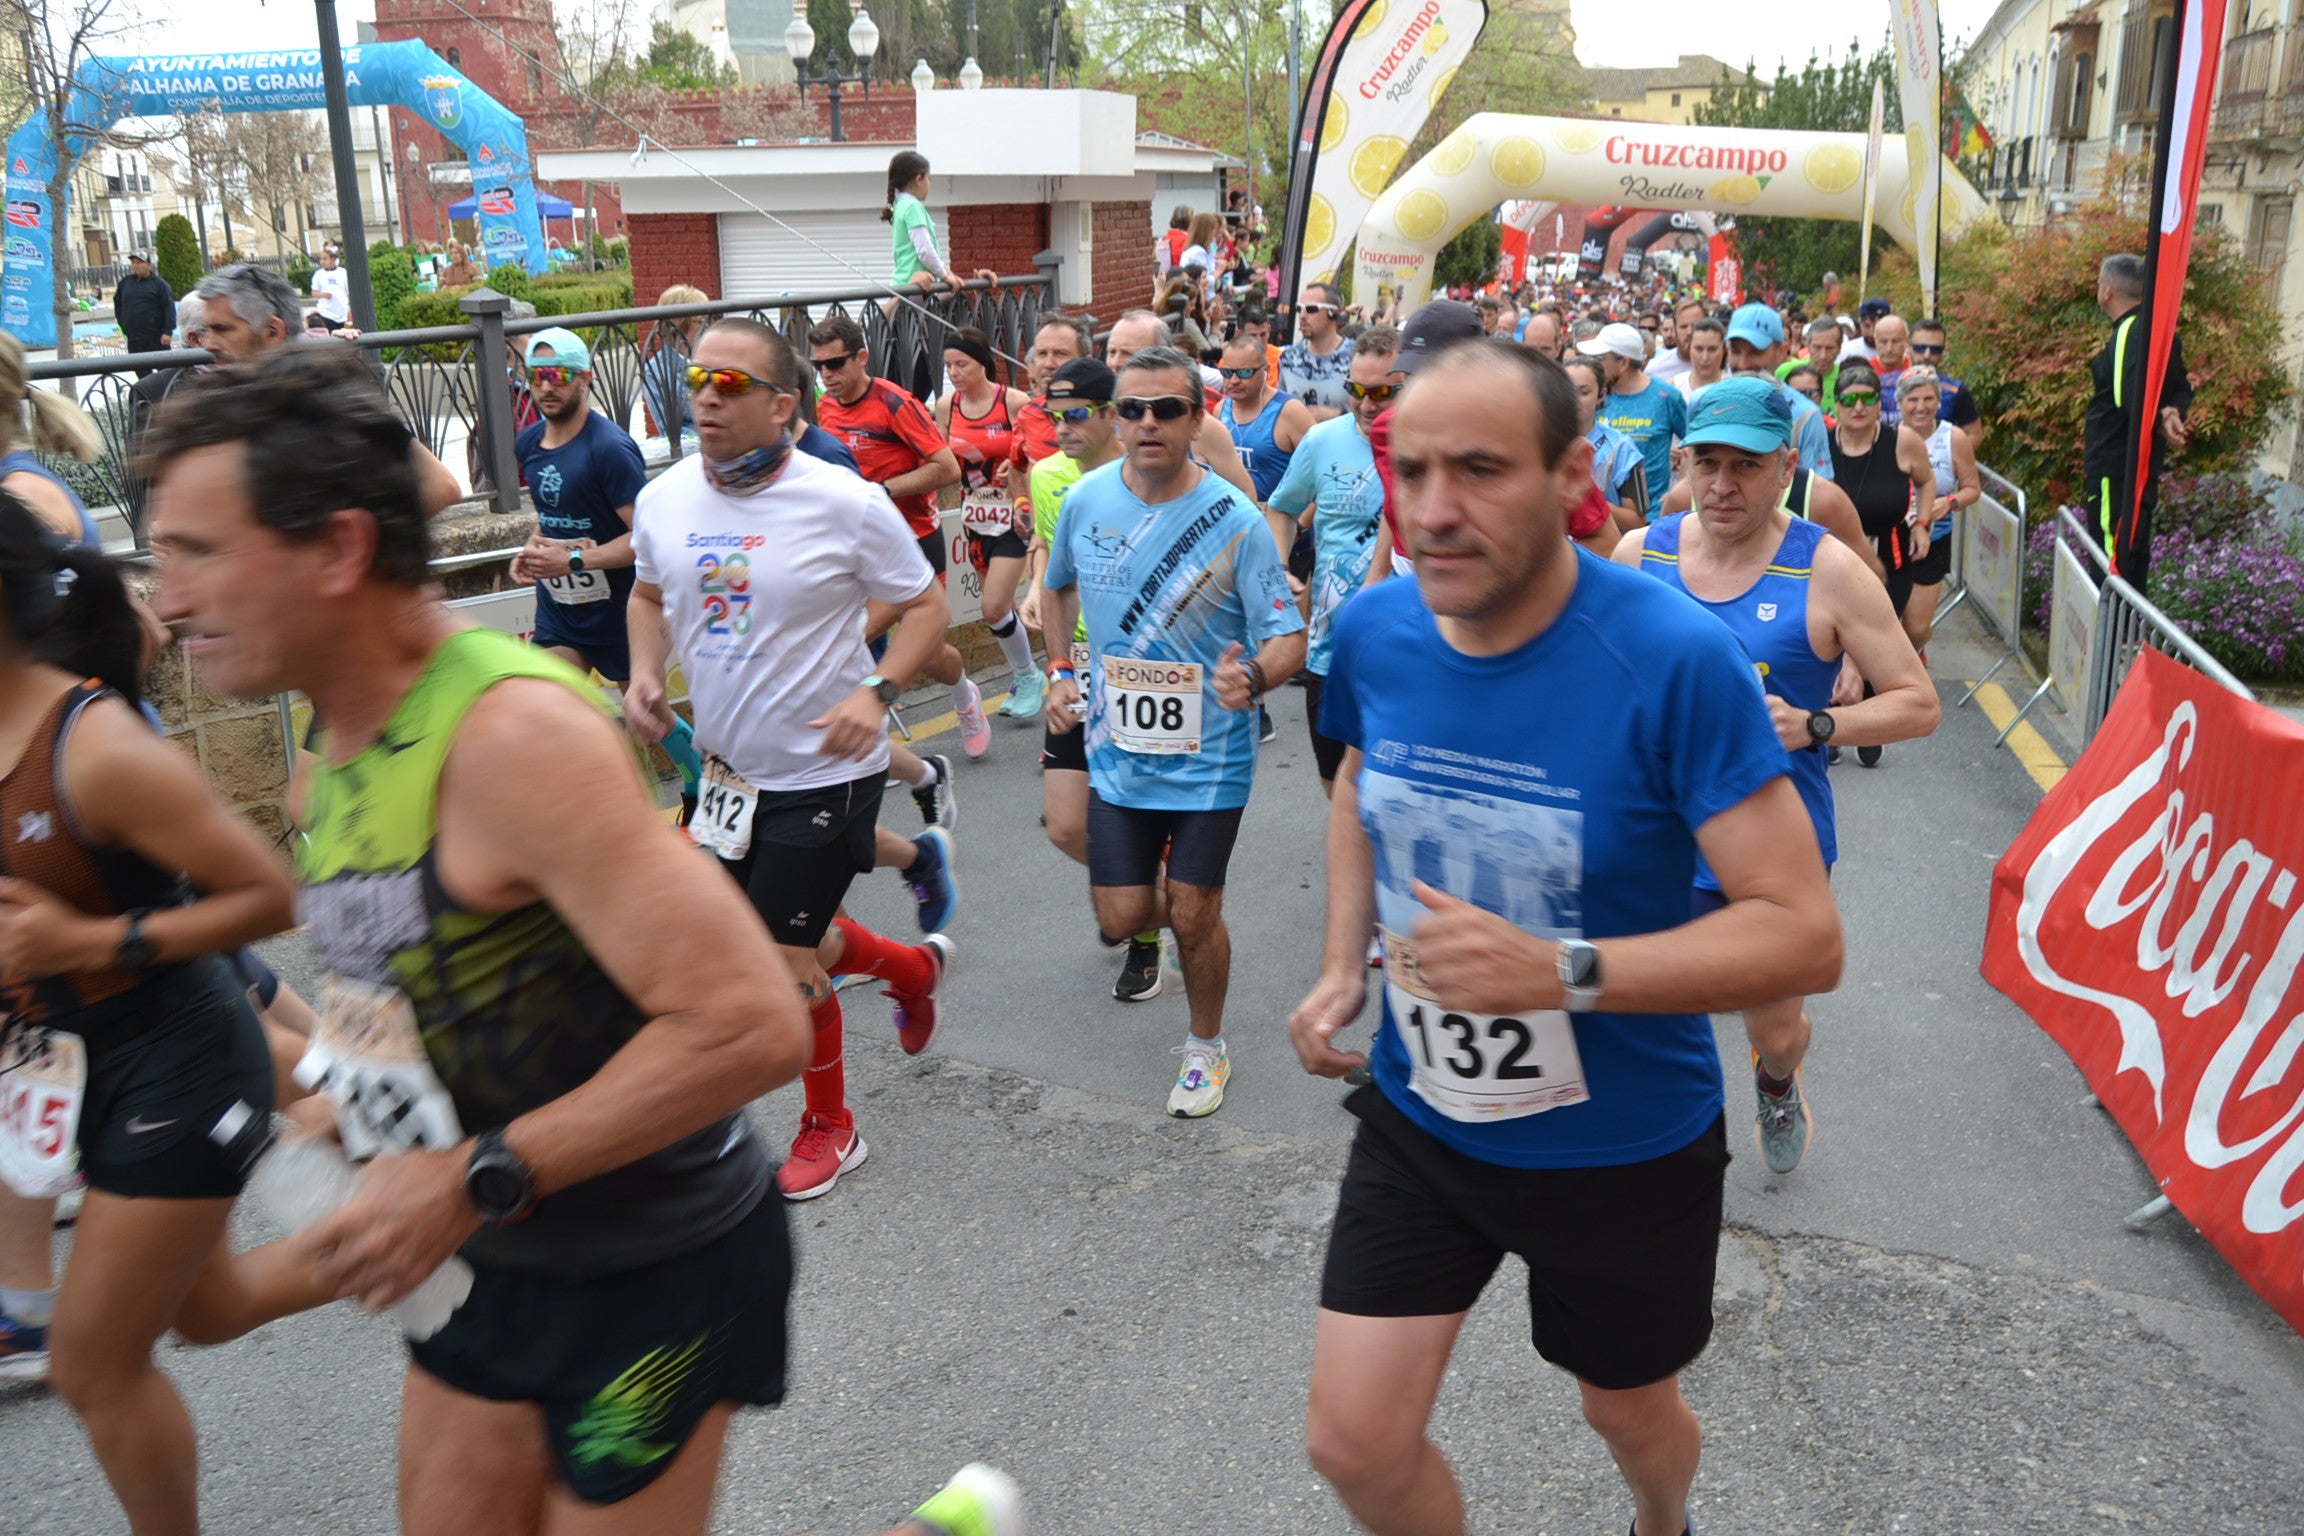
(1242, 373)
(1158, 407)
(834, 364)
(1920, 350)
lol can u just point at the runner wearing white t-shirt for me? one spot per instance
(760, 561)
(332, 290)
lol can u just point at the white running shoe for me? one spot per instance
(1200, 1081)
(975, 730)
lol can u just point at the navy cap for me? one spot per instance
(1438, 324)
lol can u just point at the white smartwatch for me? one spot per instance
(1579, 964)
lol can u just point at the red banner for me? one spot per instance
(2150, 919)
(1726, 275)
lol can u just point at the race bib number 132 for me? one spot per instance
(1479, 1067)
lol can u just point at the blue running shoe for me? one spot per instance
(23, 1351)
(935, 886)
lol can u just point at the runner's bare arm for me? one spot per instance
(724, 1022)
(1904, 705)
(647, 704)
(1059, 616)
(1340, 994)
(1627, 550)
(1212, 445)
(436, 485)
(938, 470)
(1295, 420)
(129, 788)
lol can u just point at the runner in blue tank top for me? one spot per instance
(1265, 426)
(1798, 601)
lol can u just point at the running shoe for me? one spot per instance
(826, 1148)
(1026, 695)
(1140, 973)
(1265, 729)
(1782, 1127)
(1868, 757)
(935, 885)
(939, 806)
(975, 730)
(979, 1501)
(1200, 1081)
(916, 1011)
(23, 1351)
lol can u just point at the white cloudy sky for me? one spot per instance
(1611, 32)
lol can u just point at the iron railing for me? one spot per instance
(435, 382)
(2244, 105)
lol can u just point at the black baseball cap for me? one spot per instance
(1083, 380)
(1873, 309)
(1437, 325)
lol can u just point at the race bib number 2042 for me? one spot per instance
(1480, 1067)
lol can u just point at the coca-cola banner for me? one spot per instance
(2150, 919)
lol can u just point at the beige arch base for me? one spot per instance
(1749, 172)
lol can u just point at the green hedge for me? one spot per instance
(609, 292)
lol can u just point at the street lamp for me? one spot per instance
(923, 78)
(971, 75)
(2008, 202)
(863, 42)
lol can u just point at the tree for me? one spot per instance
(1472, 257)
(1011, 37)
(56, 37)
(1823, 97)
(391, 278)
(602, 78)
(204, 166)
(1525, 62)
(176, 252)
(678, 61)
(282, 160)
(1212, 71)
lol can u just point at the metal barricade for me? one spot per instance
(1989, 551)
(2075, 582)
(2127, 622)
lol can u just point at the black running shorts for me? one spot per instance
(154, 1095)
(808, 846)
(1620, 1259)
(1126, 847)
(1068, 751)
(626, 1365)
(1327, 751)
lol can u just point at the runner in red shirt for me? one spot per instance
(979, 415)
(896, 446)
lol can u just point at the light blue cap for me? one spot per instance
(1757, 325)
(1747, 413)
(568, 349)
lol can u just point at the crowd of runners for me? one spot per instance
(1576, 666)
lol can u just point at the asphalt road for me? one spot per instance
(1938, 1324)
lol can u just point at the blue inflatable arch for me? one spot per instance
(404, 74)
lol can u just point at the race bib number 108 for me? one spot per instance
(1152, 707)
(1479, 1067)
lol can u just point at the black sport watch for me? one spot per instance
(1820, 726)
(885, 689)
(135, 952)
(576, 560)
(500, 1186)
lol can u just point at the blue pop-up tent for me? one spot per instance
(547, 206)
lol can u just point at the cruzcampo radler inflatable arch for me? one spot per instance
(403, 74)
(1748, 172)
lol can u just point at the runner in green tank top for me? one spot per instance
(545, 1015)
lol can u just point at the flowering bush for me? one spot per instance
(2242, 599)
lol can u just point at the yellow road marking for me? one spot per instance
(937, 725)
(2031, 748)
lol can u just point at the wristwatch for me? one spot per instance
(575, 559)
(1821, 726)
(1579, 964)
(887, 692)
(135, 952)
(500, 1186)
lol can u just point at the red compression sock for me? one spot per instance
(865, 953)
(826, 1081)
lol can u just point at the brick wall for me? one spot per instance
(1002, 236)
(1123, 273)
(670, 248)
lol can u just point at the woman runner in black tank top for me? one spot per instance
(1879, 467)
(125, 1038)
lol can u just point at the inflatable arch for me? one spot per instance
(1749, 172)
(405, 74)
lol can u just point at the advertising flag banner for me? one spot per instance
(2148, 919)
(1919, 74)
(1871, 189)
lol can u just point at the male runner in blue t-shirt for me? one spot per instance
(583, 473)
(1802, 603)
(1649, 411)
(1546, 1079)
(1177, 577)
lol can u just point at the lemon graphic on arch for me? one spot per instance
(1455, 153)
(1832, 168)
(1577, 138)
(1370, 22)
(1334, 126)
(1518, 162)
(1374, 161)
(1910, 207)
(1435, 39)
(1440, 84)
(1421, 216)
(1735, 189)
(1319, 224)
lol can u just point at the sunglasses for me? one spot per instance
(1376, 392)
(1859, 399)
(728, 381)
(836, 363)
(1315, 309)
(1158, 407)
(1249, 372)
(1919, 349)
(1076, 414)
(545, 373)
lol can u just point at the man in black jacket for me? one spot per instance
(144, 307)
(2119, 374)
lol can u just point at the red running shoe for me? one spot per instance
(825, 1149)
(916, 1011)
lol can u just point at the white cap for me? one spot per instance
(1623, 340)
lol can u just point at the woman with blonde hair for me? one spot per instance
(43, 421)
(663, 390)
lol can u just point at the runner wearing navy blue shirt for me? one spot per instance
(1546, 1078)
(584, 473)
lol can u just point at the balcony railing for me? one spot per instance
(450, 384)
(2245, 105)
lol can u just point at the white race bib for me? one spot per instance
(578, 587)
(987, 514)
(724, 807)
(1479, 1067)
(1152, 707)
(367, 1056)
(43, 1082)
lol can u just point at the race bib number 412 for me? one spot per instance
(1479, 1067)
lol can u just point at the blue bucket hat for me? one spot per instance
(1747, 413)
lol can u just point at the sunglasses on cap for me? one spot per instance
(1249, 372)
(1158, 407)
(728, 381)
(1076, 414)
(1376, 392)
(554, 375)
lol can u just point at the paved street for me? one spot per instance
(1938, 1325)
